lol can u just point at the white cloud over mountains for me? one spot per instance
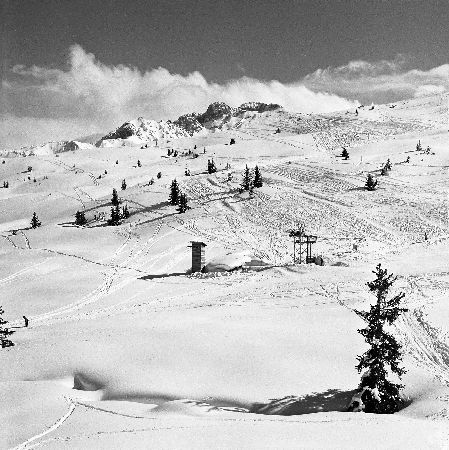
(381, 81)
(40, 104)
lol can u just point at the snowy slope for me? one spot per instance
(50, 148)
(125, 349)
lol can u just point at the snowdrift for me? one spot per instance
(228, 262)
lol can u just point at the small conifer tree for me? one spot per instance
(419, 147)
(183, 203)
(173, 198)
(246, 182)
(345, 154)
(123, 185)
(159, 175)
(5, 332)
(211, 168)
(257, 178)
(35, 222)
(115, 217)
(139, 164)
(125, 212)
(370, 184)
(114, 200)
(378, 394)
(80, 218)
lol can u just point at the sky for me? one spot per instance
(71, 68)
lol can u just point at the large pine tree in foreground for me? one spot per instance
(376, 393)
(4, 332)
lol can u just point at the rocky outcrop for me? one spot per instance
(190, 123)
(142, 130)
(258, 107)
(215, 111)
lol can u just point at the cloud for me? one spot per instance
(381, 81)
(92, 96)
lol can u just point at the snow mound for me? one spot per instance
(228, 262)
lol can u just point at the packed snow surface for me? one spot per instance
(126, 349)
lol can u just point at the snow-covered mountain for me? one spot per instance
(147, 131)
(142, 130)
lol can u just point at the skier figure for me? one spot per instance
(26, 321)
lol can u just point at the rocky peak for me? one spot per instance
(215, 111)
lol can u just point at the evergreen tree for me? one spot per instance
(5, 332)
(115, 216)
(388, 164)
(345, 154)
(173, 198)
(159, 175)
(125, 212)
(211, 168)
(257, 178)
(246, 183)
(419, 147)
(35, 222)
(370, 184)
(182, 205)
(139, 164)
(114, 200)
(377, 394)
(80, 218)
(123, 185)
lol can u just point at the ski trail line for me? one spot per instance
(54, 427)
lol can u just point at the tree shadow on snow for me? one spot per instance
(330, 400)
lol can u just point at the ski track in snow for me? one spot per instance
(26, 445)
